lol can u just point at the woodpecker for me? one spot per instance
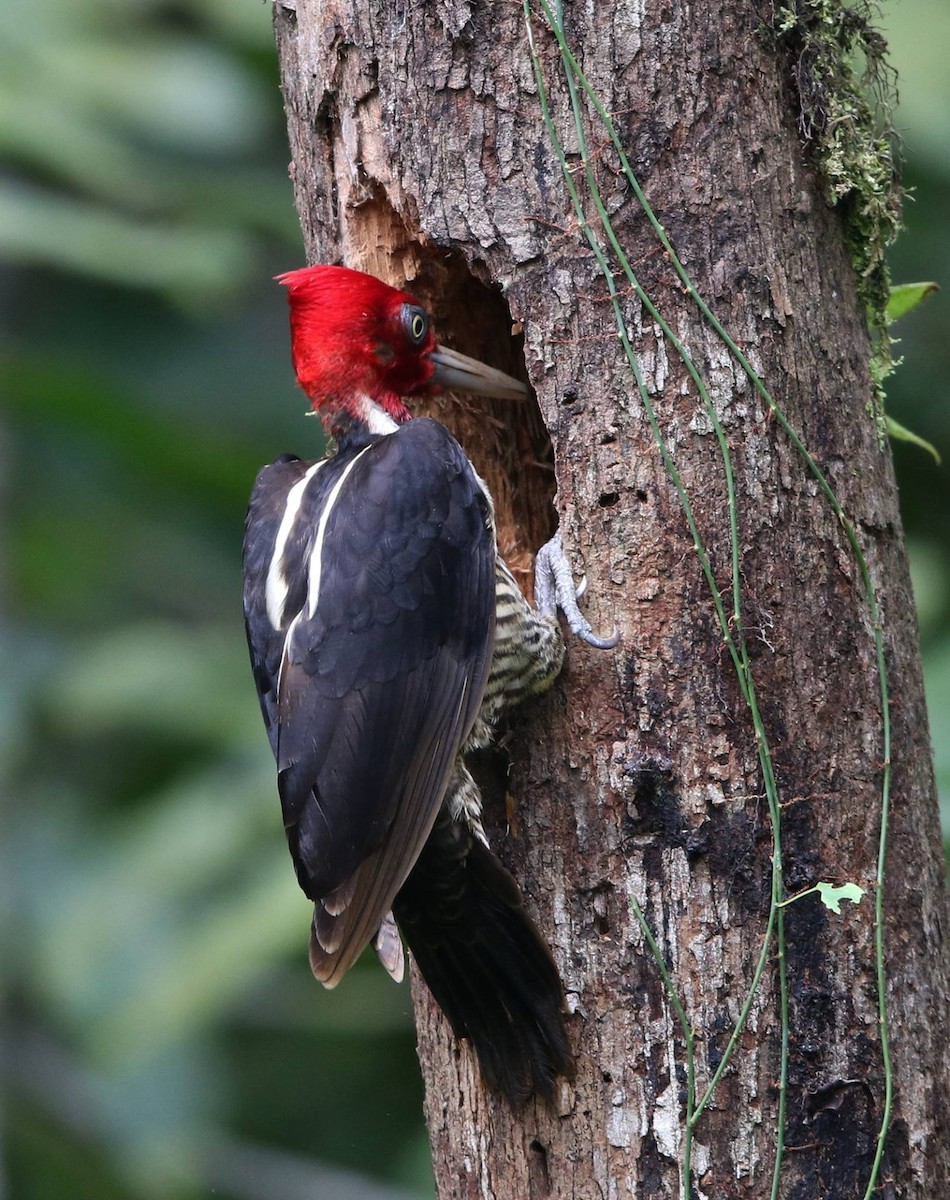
(387, 637)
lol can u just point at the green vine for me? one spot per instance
(845, 91)
(731, 624)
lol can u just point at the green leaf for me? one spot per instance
(901, 434)
(905, 296)
(832, 894)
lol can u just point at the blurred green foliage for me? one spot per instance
(918, 395)
(162, 1035)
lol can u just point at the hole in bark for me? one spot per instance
(609, 499)
(539, 1178)
(641, 495)
(601, 919)
(506, 440)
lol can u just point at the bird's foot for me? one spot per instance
(554, 589)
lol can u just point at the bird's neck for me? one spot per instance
(364, 419)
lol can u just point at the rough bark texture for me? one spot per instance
(419, 154)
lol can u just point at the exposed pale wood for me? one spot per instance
(419, 154)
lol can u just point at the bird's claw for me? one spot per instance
(554, 589)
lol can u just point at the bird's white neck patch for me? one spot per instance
(378, 421)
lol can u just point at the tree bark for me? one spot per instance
(419, 154)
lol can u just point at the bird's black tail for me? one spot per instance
(485, 962)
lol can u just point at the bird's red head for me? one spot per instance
(359, 346)
(356, 339)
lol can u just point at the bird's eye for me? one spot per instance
(416, 323)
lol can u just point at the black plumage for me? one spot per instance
(372, 677)
(489, 969)
(387, 638)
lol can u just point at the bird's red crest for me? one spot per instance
(356, 339)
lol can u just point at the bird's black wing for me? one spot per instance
(384, 597)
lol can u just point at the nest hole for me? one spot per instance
(506, 440)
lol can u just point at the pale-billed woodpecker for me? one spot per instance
(387, 636)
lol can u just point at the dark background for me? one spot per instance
(162, 1037)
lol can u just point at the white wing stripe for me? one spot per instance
(316, 555)
(277, 587)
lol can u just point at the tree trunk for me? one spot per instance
(420, 154)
